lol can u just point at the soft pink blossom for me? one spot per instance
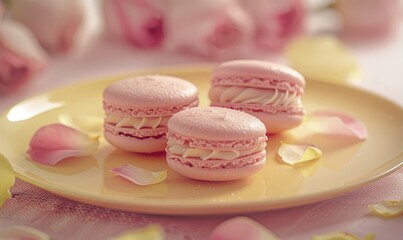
(138, 22)
(53, 22)
(55, 142)
(276, 21)
(370, 19)
(213, 28)
(20, 55)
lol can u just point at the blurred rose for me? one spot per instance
(369, 18)
(213, 28)
(53, 22)
(20, 55)
(139, 22)
(276, 21)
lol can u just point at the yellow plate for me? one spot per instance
(344, 166)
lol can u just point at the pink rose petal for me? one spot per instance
(241, 228)
(140, 176)
(55, 142)
(294, 154)
(337, 123)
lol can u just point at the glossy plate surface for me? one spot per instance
(346, 164)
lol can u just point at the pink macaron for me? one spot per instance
(270, 92)
(215, 144)
(138, 109)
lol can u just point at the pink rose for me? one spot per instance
(276, 21)
(364, 19)
(53, 22)
(213, 28)
(138, 22)
(20, 55)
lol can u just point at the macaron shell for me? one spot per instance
(150, 92)
(257, 69)
(147, 145)
(224, 174)
(216, 124)
(276, 123)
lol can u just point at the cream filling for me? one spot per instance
(205, 154)
(137, 122)
(255, 95)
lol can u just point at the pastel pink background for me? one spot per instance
(65, 219)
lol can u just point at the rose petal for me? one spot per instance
(92, 125)
(387, 208)
(151, 232)
(336, 123)
(23, 233)
(55, 142)
(341, 236)
(7, 178)
(241, 228)
(323, 58)
(140, 176)
(294, 154)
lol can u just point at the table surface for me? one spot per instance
(65, 219)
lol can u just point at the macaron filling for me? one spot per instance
(137, 122)
(248, 95)
(185, 151)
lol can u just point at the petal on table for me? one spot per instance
(387, 208)
(88, 123)
(294, 154)
(55, 142)
(335, 235)
(140, 176)
(151, 232)
(240, 228)
(7, 178)
(23, 233)
(336, 123)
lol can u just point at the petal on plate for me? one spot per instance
(140, 176)
(23, 233)
(240, 228)
(151, 232)
(294, 154)
(7, 178)
(387, 208)
(55, 142)
(336, 123)
(90, 124)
